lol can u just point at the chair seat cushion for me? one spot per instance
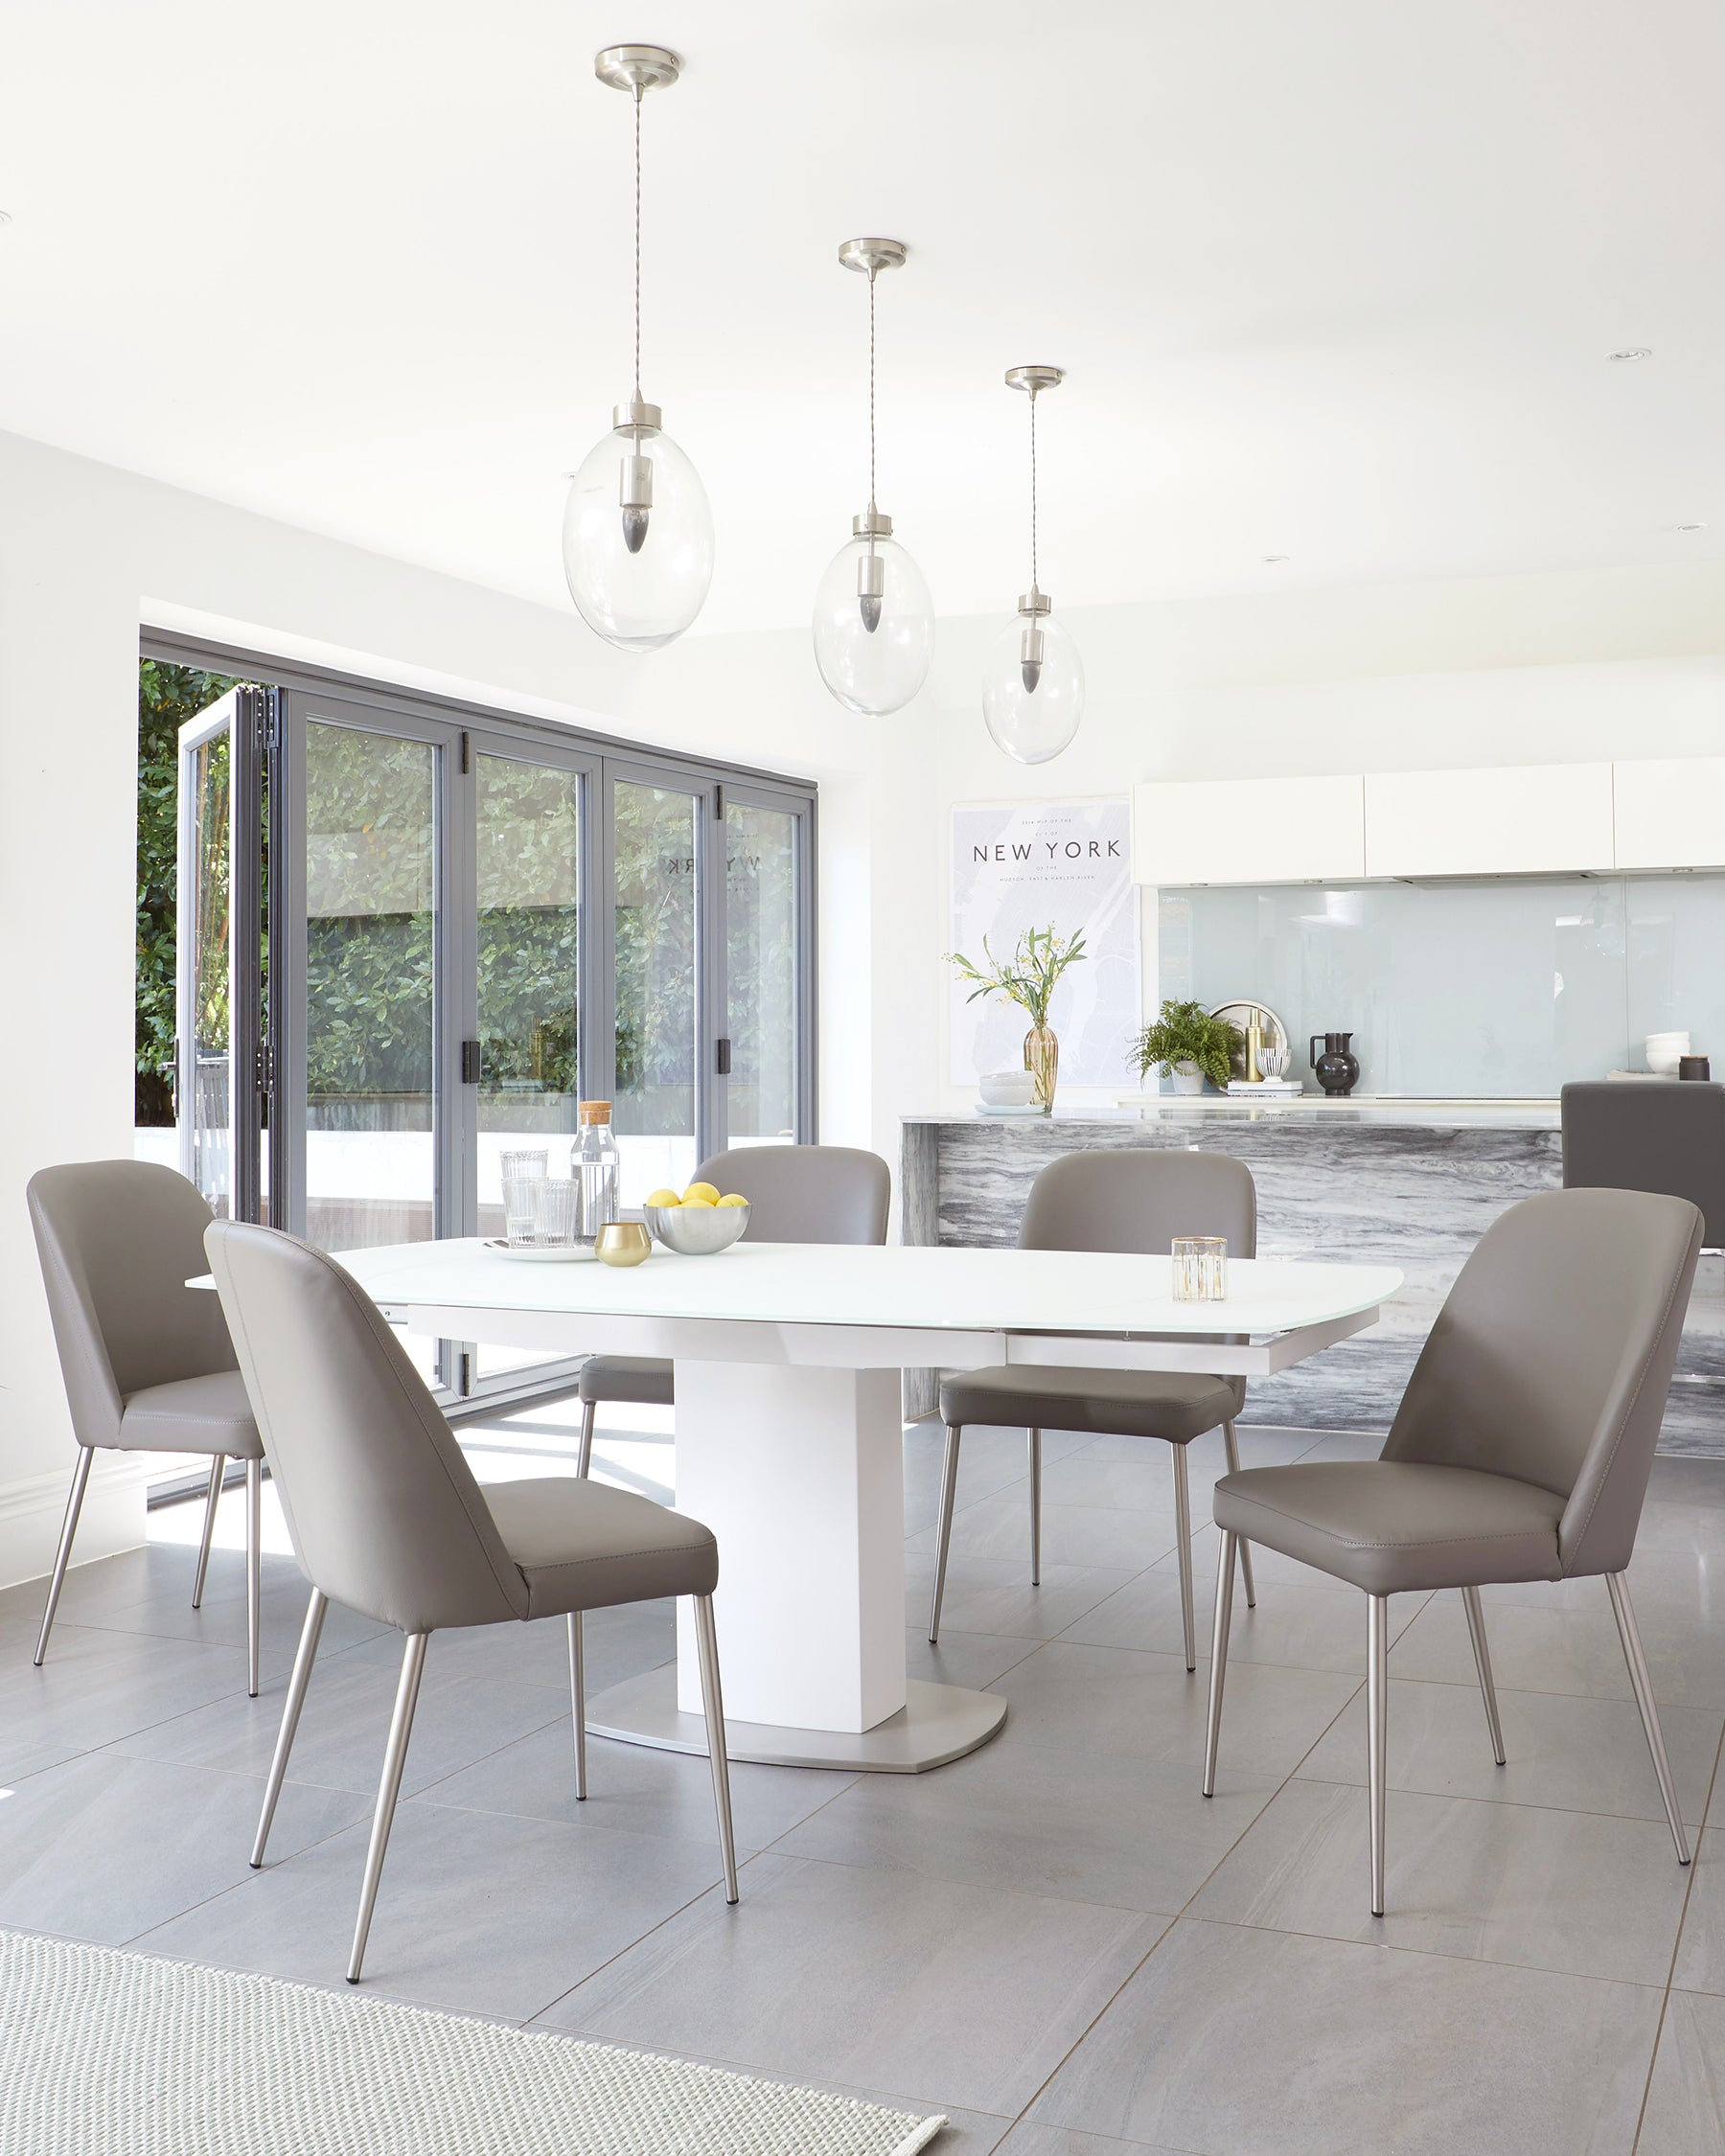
(1389, 1525)
(640, 1378)
(1111, 1403)
(584, 1545)
(193, 1414)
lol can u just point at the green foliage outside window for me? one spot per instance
(168, 696)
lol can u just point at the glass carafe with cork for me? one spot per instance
(593, 1164)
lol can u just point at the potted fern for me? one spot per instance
(1027, 978)
(1190, 1045)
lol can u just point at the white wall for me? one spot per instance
(1509, 669)
(86, 555)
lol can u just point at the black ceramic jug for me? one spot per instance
(1336, 1069)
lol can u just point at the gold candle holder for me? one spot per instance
(623, 1242)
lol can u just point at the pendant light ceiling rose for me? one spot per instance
(1033, 378)
(872, 256)
(638, 68)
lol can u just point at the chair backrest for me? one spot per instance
(118, 1241)
(385, 1514)
(1551, 1357)
(1138, 1201)
(1661, 1137)
(806, 1193)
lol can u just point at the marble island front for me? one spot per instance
(1409, 1183)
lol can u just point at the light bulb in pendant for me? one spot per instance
(638, 537)
(1033, 690)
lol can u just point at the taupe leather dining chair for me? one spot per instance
(796, 1194)
(1521, 1450)
(1134, 1200)
(387, 1517)
(147, 1363)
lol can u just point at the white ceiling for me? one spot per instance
(1333, 279)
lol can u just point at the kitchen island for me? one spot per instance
(1409, 1183)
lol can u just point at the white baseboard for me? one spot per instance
(32, 1507)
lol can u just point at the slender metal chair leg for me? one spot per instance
(1182, 1528)
(1233, 1443)
(943, 1541)
(578, 1702)
(1476, 1632)
(311, 1633)
(712, 1699)
(1035, 1507)
(1377, 1688)
(254, 1570)
(211, 1498)
(80, 1477)
(1224, 1577)
(389, 1788)
(588, 1409)
(1623, 1610)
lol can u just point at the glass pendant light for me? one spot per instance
(637, 538)
(874, 623)
(1033, 691)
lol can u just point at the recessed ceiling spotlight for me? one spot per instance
(1688, 527)
(1631, 351)
(1271, 560)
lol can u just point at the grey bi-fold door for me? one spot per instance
(461, 925)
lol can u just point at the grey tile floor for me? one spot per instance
(1056, 1941)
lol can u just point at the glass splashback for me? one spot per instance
(1502, 988)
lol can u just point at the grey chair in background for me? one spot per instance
(387, 1518)
(1135, 1201)
(147, 1363)
(1651, 1136)
(796, 1194)
(1521, 1450)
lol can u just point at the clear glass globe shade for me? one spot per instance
(874, 670)
(637, 600)
(1033, 725)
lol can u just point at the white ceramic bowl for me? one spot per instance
(1662, 1062)
(1007, 1089)
(696, 1231)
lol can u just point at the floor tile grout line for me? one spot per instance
(1665, 2001)
(651, 1932)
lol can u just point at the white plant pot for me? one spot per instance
(1188, 1078)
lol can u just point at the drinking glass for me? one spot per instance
(521, 1166)
(556, 1210)
(1200, 1267)
(520, 1207)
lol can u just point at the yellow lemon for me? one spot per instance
(701, 1190)
(730, 1198)
(698, 1205)
(664, 1198)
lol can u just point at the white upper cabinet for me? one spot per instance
(1526, 820)
(1249, 831)
(1670, 814)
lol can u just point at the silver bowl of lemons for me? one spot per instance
(700, 1222)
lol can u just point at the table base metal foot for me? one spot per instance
(937, 1723)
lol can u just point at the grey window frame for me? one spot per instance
(311, 694)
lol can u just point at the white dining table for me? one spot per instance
(790, 1436)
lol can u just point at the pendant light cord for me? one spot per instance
(871, 399)
(1033, 583)
(637, 367)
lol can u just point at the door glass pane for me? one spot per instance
(204, 1111)
(658, 940)
(760, 973)
(528, 864)
(371, 918)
